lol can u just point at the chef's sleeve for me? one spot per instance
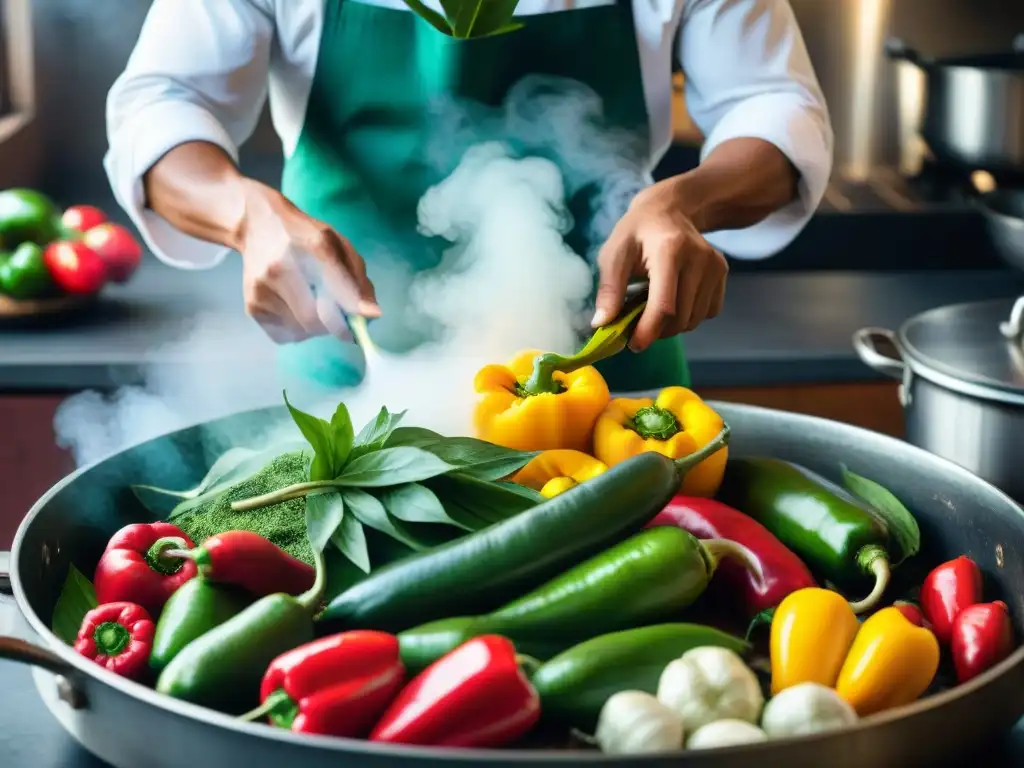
(198, 73)
(748, 75)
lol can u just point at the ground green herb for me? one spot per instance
(284, 524)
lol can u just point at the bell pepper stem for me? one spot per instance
(606, 341)
(288, 493)
(312, 597)
(528, 664)
(874, 560)
(200, 556)
(159, 559)
(273, 702)
(718, 549)
(653, 421)
(111, 638)
(717, 443)
(762, 618)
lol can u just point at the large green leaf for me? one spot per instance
(350, 539)
(903, 529)
(374, 434)
(481, 18)
(415, 503)
(324, 514)
(77, 598)
(478, 458)
(392, 466)
(331, 440)
(371, 512)
(435, 19)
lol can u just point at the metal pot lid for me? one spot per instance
(975, 349)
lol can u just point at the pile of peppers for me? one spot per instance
(45, 253)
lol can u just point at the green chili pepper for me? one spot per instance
(481, 571)
(574, 685)
(652, 576)
(27, 216)
(24, 274)
(196, 607)
(222, 669)
(834, 532)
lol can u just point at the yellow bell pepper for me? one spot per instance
(812, 630)
(891, 663)
(506, 415)
(554, 472)
(676, 424)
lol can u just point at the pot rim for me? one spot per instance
(149, 697)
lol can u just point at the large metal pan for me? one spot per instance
(974, 108)
(129, 725)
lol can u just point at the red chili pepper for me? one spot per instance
(75, 267)
(781, 571)
(475, 696)
(118, 637)
(947, 590)
(249, 561)
(982, 637)
(335, 686)
(135, 567)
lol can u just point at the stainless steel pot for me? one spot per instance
(962, 374)
(1003, 210)
(974, 112)
(118, 720)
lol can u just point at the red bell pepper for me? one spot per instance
(135, 567)
(475, 696)
(118, 637)
(335, 686)
(247, 560)
(780, 572)
(117, 247)
(947, 590)
(81, 218)
(75, 267)
(912, 614)
(982, 637)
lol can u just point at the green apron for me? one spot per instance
(360, 164)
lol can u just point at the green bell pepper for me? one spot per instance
(27, 216)
(24, 274)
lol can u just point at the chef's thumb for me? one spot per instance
(614, 269)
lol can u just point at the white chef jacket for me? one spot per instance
(202, 70)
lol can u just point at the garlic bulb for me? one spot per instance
(725, 733)
(708, 684)
(636, 723)
(806, 708)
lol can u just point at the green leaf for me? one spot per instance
(369, 511)
(481, 18)
(319, 434)
(341, 438)
(375, 434)
(903, 529)
(510, 27)
(77, 598)
(415, 503)
(435, 19)
(490, 502)
(350, 539)
(392, 466)
(324, 514)
(471, 456)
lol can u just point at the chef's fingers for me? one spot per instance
(663, 267)
(718, 301)
(343, 270)
(332, 318)
(293, 288)
(615, 265)
(710, 294)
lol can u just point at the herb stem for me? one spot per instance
(288, 493)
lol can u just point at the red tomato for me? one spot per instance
(75, 267)
(82, 218)
(117, 247)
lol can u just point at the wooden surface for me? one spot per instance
(30, 461)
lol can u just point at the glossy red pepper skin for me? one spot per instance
(947, 590)
(476, 696)
(335, 686)
(912, 613)
(247, 560)
(135, 569)
(118, 637)
(781, 571)
(982, 637)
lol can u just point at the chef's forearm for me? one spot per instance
(198, 189)
(740, 183)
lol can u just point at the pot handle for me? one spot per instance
(16, 649)
(864, 344)
(897, 50)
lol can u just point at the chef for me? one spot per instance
(351, 84)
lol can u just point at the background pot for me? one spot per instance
(117, 719)
(962, 374)
(1003, 210)
(974, 108)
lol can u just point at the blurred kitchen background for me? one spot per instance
(897, 233)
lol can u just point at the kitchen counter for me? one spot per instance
(777, 328)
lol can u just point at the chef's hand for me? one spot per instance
(657, 240)
(282, 250)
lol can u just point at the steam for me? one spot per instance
(507, 281)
